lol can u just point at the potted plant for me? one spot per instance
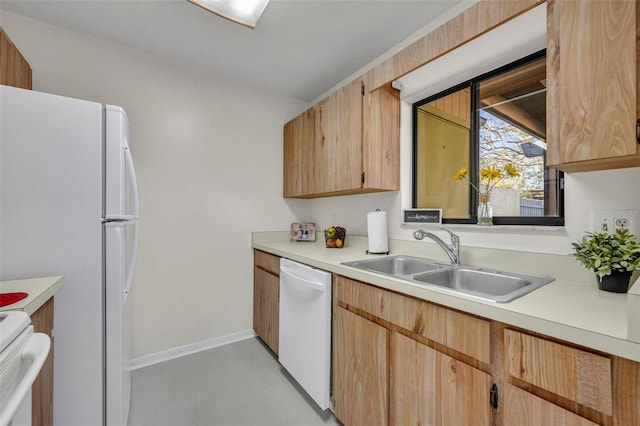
(613, 258)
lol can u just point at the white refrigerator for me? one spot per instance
(69, 206)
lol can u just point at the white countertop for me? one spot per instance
(40, 290)
(571, 308)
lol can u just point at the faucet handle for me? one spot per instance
(419, 234)
(454, 237)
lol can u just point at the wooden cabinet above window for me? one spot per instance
(348, 143)
(592, 96)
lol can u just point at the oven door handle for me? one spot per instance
(36, 351)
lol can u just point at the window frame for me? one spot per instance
(474, 153)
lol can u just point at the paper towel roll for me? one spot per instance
(377, 232)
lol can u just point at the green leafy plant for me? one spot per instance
(604, 253)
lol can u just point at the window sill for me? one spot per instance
(503, 229)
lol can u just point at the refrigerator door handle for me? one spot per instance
(132, 181)
(132, 260)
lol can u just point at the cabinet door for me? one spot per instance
(360, 384)
(591, 82)
(430, 388)
(266, 298)
(339, 132)
(381, 139)
(525, 409)
(299, 155)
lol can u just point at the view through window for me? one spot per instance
(496, 120)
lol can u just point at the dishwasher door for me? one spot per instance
(305, 328)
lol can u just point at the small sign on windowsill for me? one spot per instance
(421, 216)
(303, 232)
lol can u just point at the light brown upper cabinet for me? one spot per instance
(14, 68)
(348, 143)
(299, 155)
(592, 97)
(339, 140)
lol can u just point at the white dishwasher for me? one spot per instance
(305, 328)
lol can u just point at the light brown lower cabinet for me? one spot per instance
(383, 377)
(401, 361)
(266, 298)
(431, 388)
(360, 366)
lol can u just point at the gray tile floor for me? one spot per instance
(241, 384)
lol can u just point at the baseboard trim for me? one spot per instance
(192, 348)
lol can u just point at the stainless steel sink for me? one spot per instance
(396, 265)
(496, 286)
(493, 285)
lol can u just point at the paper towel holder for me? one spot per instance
(377, 252)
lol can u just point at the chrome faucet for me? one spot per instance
(453, 250)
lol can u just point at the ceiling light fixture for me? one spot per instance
(243, 12)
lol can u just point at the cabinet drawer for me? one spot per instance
(267, 261)
(368, 298)
(525, 409)
(569, 372)
(463, 333)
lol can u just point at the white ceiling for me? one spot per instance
(300, 48)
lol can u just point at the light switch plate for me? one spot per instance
(608, 220)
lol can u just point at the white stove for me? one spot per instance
(22, 354)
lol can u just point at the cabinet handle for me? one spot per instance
(493, 396)
(638, 131)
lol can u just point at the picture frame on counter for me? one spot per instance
(302, 232)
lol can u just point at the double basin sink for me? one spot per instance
(488, 284)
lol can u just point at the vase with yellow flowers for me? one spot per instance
(490, 176)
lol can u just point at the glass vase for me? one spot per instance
(485, 210)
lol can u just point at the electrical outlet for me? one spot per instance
(609, 220)
(621, 223)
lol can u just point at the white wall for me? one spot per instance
(208, 154)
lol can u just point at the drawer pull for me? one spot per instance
(493, 396)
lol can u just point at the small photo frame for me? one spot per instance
(303, 232)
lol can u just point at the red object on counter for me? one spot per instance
(9, 298)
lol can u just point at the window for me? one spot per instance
(494, 120)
